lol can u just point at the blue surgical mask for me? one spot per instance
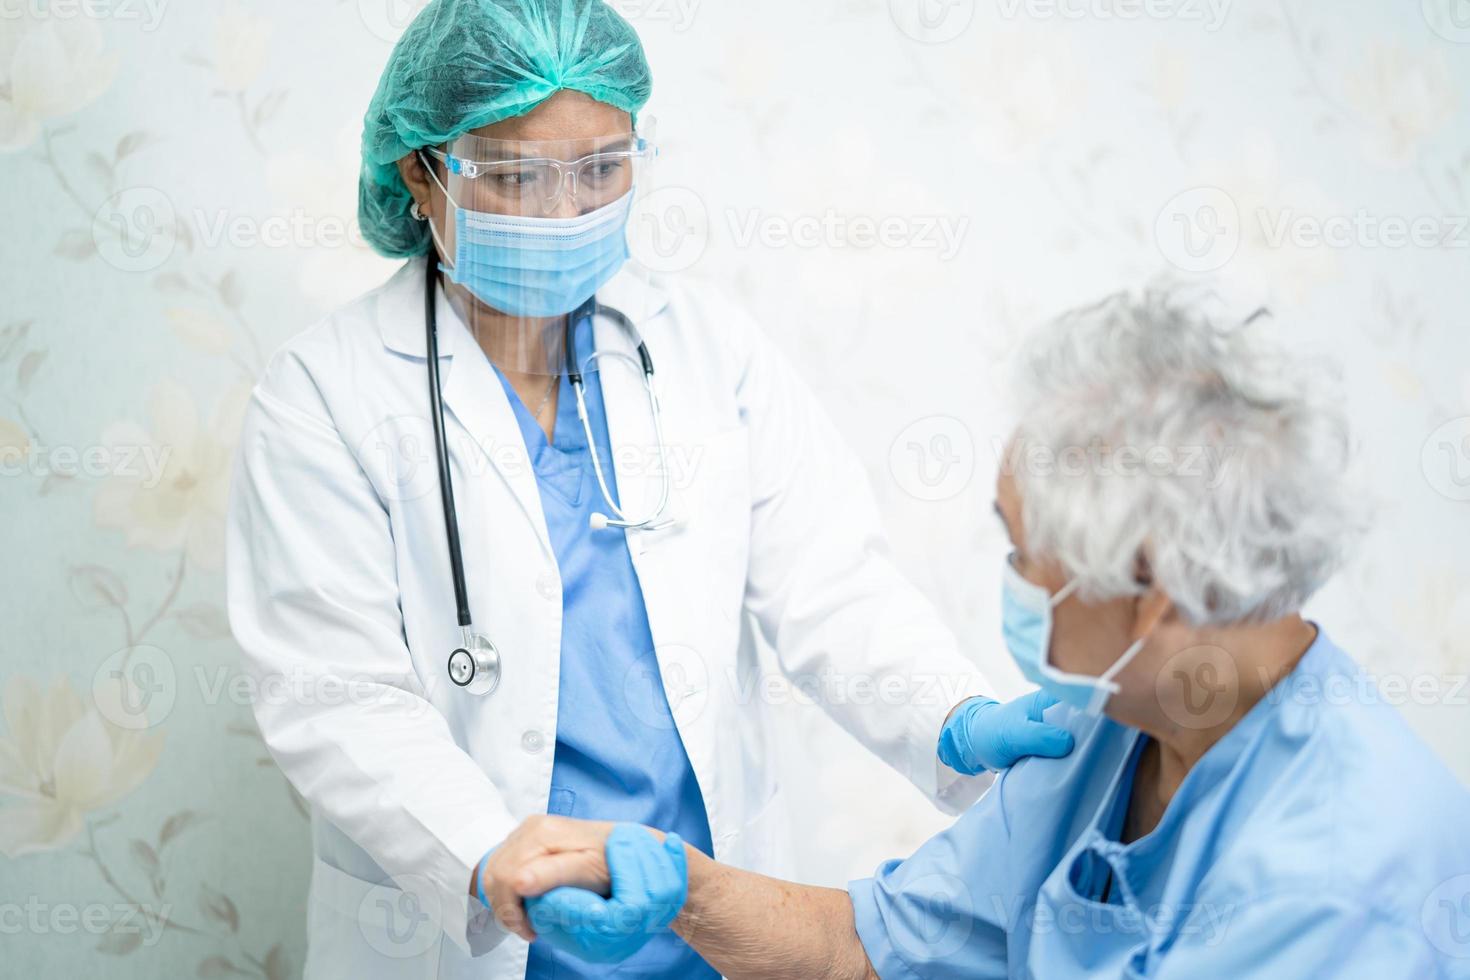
(533, 266)
(1026, 619)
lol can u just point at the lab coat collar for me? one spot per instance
(401, 306)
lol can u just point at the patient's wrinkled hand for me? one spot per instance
(649, 882)
(543, 852)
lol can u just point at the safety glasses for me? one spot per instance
(543, 177)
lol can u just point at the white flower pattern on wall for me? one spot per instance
(63, 760)
(1059, 140)
(52, 67)
(181, 505)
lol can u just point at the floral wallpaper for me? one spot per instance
(898, 188)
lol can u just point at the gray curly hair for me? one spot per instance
(1149, 430)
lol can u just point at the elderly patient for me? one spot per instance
(1240, 801)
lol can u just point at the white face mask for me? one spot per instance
(1026, 623)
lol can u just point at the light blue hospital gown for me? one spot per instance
(1318, 838)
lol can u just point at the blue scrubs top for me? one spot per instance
(1318, 838)
(618, 754)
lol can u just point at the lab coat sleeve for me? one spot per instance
(1297, 934)
(313, 603)
(822, 585)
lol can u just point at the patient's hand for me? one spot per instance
(649, 884)
(542, 853)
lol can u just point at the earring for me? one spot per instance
(414, 210)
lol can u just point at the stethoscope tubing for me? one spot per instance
(574, 372)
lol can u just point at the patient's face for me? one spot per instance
(1086, 636)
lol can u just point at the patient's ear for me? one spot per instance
(1153, 607)
(1150, 610)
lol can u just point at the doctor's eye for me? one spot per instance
(601, 171)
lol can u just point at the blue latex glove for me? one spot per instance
(984, 734)
(650, 881)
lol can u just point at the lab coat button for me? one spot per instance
(546, 585)
(533, 741)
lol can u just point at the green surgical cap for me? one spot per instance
(463, 64)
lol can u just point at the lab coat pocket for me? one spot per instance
(363, 929)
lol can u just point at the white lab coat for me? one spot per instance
(341, 599)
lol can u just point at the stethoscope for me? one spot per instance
(475, 664)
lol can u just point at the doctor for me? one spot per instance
(456, 542)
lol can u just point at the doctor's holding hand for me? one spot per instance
(496, 526)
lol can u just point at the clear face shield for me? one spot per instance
(528, 230)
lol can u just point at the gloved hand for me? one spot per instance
(984, 734)
(650, 881)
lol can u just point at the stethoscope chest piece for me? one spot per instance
(475, 665)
